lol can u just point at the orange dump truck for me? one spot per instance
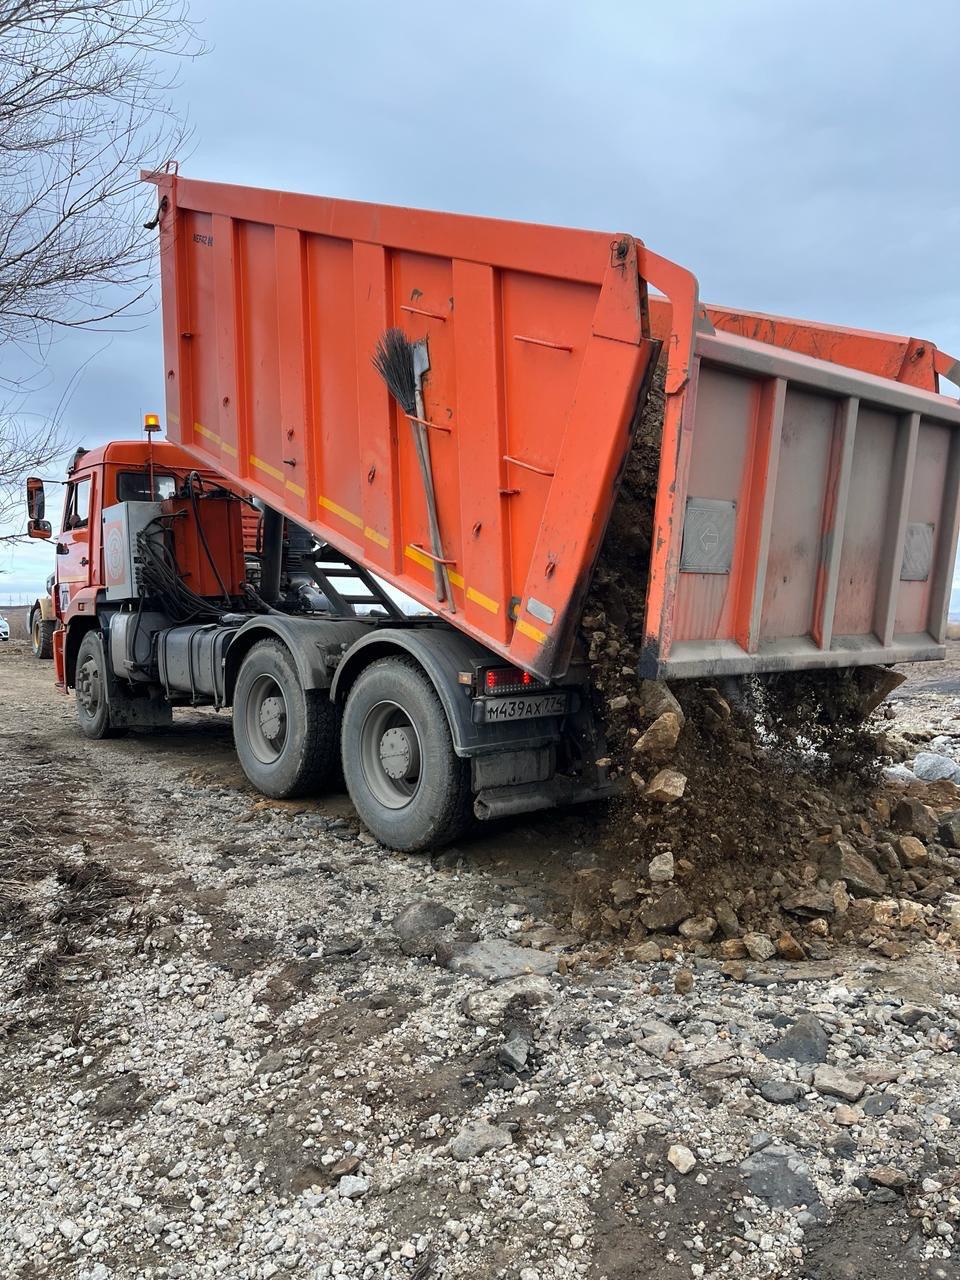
(806, 511)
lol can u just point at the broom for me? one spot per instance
(394, 361)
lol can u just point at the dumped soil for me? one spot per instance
(743, 785)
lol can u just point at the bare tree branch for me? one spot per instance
(87, 98)
(28, 446)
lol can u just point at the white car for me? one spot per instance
(4, 628)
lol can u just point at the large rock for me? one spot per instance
(843, 862)
(780, 1176)
(699, 928)
(931, 766)
(497, 959)
(913, 852)
(780, 1092)
(490, 1006)
(420, 926)
(353, 1186)
(788, 948)
(809, 902)
(913, 818)
(656, 699)
(727, 919)
(661, 738)
(950, 830)
(477, 1137)
(668, 785)
(806, 1040)
(759, 946)
(661, 869)
(667, 911)
(837, 1084)
(681, 1157)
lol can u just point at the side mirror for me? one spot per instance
(36, 499)
(37, 527)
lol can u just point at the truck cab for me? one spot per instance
(121, 471)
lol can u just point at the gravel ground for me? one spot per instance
(240, 1039)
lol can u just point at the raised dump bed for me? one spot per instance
(806, 511)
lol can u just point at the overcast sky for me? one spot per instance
(799, 158)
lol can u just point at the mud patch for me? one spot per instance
(873, 1242)
(639, 1234)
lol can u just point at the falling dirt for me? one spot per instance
(771, 768)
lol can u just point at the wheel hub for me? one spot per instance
(273, 719)
(390, 755)
(398, 752)
(88, 687)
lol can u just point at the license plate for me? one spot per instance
(493, 710)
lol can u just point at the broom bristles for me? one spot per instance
(393, 360)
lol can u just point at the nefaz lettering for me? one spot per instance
(202, 239)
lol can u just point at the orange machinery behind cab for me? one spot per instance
(208, 544)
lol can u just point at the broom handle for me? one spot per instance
(441, 576)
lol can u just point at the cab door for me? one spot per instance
(75, 544)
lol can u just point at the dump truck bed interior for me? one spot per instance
(806, 511)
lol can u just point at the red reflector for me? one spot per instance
(500, 679)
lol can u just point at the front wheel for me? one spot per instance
(405, 780)
(285, 735)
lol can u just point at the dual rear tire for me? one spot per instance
(407, 783)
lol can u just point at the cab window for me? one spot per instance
(76, 511)
(134, 486)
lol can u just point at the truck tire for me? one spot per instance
(41, 635)
(286, 736)
(405, 780)
(91, 683)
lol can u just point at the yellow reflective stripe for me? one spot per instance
(484, 601)
(418, 558)
(531, 633)
(456, 580)
(265, 466)
(376, 537)
(227, 448)
(342, 512)
(294, 488)
(205, 431)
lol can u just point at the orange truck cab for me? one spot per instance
(806, 513)
(120, 472)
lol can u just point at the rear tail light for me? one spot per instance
(508, 680)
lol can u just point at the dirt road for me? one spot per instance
(241, 1039)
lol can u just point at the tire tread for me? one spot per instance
(455, 812)
(319, 758)
(47, 628)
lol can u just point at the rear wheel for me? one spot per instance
(285, 735)
(405, 779)
(41, 635)
(91, 684)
